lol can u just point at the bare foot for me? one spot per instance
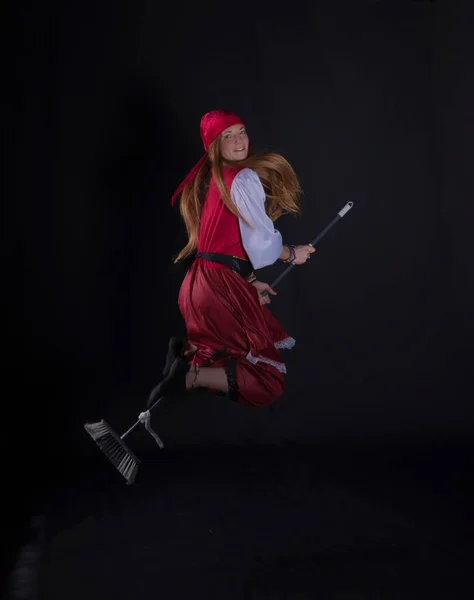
(190, 377)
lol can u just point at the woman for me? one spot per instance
(229, 202)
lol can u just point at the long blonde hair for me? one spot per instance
(281, 185)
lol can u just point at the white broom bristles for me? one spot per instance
(114, 448)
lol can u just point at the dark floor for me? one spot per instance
(323, 522)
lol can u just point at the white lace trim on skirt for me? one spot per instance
(285, 344)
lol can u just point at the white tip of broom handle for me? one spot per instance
(346, 209)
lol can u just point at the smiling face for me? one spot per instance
(234, 143)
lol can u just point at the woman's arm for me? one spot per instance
(285, 253)
(262, 242)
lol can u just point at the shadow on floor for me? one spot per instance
(268, 522)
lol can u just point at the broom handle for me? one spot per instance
(320, 235)
(124, 435)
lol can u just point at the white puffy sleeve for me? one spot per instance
(262, 242)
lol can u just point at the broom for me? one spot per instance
(113, 445)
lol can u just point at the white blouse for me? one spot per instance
(262, 242)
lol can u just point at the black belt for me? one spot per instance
(238, 265)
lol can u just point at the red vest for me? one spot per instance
(219, 228)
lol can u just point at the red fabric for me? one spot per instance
(212, 124)
(219, 229)
(222, 310)
(189, 177)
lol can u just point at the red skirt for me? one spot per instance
(222, 314)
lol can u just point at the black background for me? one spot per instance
(371, 103)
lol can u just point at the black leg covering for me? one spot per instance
(230, 369)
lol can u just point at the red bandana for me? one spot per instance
(212, 125)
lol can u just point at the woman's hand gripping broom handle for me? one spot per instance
(318, 238)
